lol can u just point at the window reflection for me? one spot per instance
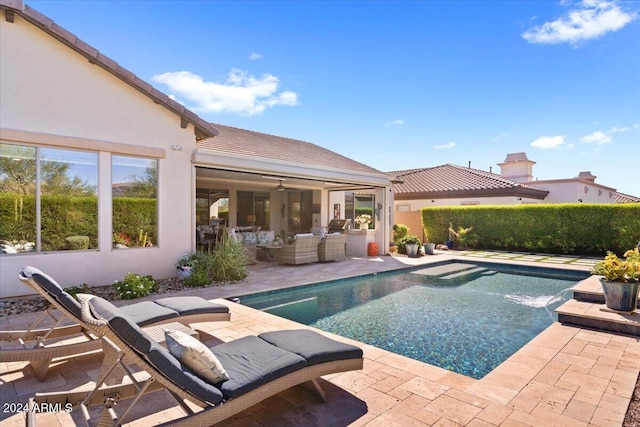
(134, 193)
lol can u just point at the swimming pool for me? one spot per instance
(465, 317)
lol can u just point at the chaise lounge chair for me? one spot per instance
(40, 346)
(257, 367)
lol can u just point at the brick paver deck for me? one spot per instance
(566, 376)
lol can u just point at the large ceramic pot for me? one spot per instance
(620, 296)
(412, 250)
(429, 248)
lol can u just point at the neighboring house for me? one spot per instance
(451, 185)
(457, 185)
(87, 147)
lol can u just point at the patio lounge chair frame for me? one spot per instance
(209, 415)
(33, 341)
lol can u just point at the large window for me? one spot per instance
(212, 207)
(300, 212)
(254, 209)
(357, 204)
(135, 207)
(48, 199)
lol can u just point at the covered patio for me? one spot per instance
(252, 180)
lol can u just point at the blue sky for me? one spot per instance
(397, 85)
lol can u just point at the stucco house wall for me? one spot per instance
(576, 191)
(51, 95)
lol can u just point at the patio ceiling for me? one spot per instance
(271, 181)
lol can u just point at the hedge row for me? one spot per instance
(64, 216)
(572, 228)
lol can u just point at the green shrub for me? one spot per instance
(409, 240)
(134, 286)
(399, 231)
(227, 261)
(197, 278)
(76, 243)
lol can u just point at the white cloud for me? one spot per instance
(253, 56)
(588, 20)
(445, 146)
(617, 129)
(548, 142)
(394, 123)
(597, 138)
(240, 93)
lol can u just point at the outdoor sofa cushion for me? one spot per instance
(191, 305)
(314, 347)
(143, 313)
(52, 287)
(251, 362)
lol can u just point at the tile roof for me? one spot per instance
(626, 198)
(457, 181)
(246, 142)
(203, 128)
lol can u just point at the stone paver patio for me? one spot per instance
(566, 376)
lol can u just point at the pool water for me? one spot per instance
(467, 318)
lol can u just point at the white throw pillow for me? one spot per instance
(195, 356)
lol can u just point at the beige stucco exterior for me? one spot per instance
(51, 95)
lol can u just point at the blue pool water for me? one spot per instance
(467, 318)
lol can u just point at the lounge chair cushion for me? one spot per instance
(121, 324)
(314, 347)
(54, 289)
(164, 362)
(251, 362)
(146, 312)
(196, 356)
(191, 305)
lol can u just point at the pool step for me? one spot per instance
(590, 290)
(588, 310)
(597, 316)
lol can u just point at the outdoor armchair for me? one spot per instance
(304, 249)
(333, 247)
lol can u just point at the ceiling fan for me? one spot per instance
(280, 187)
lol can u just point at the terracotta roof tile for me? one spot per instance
(250, 143)
(626, 198)
(203, 128)
(457, 181)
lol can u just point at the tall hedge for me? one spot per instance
(572, 228)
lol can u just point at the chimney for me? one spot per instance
(517, 167)
(586, 176)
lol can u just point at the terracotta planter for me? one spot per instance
(620, 296)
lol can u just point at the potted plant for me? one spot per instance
(185, 265)
(363, 221)
(429, 248)
(620, 280)
(410, 245)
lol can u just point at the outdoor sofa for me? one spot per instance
(40, 346)
(257, 367)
